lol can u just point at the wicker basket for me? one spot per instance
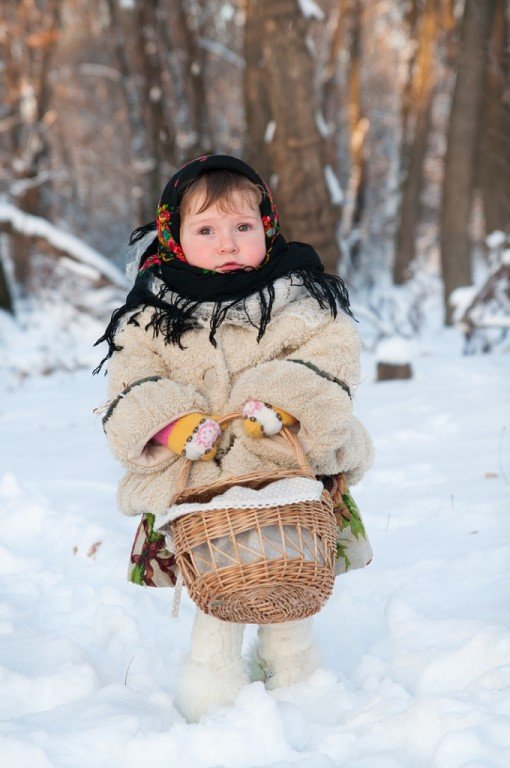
(257, 565)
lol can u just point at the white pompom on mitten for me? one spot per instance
(261, 419)
(202, 439)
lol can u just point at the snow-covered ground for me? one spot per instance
(416, 647)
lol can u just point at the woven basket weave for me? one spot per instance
(256, 565)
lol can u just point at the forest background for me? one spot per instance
(381, 125)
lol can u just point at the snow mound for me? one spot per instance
(415, 648)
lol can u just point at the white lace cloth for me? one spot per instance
(290, 490)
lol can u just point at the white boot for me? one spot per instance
(214, 673)
(286, 653)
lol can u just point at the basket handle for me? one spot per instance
(291, 438)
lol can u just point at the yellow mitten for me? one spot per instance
(263, 419)
(194, 436)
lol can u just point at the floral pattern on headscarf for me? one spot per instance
(168, 216)
(165, 236)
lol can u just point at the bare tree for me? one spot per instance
(256, 96)
(343, 111)
(462, 146)
(133, 27)
(184, 80)
(382, 47)
(5, 294)
(416, 121)
(291, 140)
(494, 157)
(29, 34)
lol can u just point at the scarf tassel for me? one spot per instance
(172, 319)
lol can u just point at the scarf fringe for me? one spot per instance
(140, 232)
(172, 319)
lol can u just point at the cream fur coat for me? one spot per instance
(307, 363)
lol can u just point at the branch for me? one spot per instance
(222, 51)
(12, 219)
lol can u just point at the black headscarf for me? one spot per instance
(183, 287)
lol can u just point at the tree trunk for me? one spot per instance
(135, 51)
(381, 104)
(256, 99)
(390, 371)
(5, 294)
(159, 131)
(30, 34)
(419, 102)
(358, 127)
(296, 150)
(462, 146)
(494, 157)
(186, 87)
(342, 110)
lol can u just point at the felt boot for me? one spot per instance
(214, 672)
(285, 655)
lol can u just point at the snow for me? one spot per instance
(395, 350)
(461, 298)
(335, 190)
(322, 125)
(416, 647)
(47, 335)
(269, 132)
(220, 50)
(310, 9)
(495, 239)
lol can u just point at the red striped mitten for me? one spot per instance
(193, 436)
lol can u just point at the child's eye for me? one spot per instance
(204, 231)
(244, 227)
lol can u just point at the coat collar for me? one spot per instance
(248, 313)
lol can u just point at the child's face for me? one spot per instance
(224, 240)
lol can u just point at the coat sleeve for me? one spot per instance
(143, 400)
(316, 383)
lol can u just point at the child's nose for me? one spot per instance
(227, 242)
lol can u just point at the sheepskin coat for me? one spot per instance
(306, 363)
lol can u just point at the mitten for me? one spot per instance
(262, 419)
(194, 436)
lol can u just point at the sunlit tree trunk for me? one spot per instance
(381, 58)
(296, 148)
(30, 33)
(416, 130)
(342, 108)
(358, 125)
(462, 148)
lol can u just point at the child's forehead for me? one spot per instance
(236, 202)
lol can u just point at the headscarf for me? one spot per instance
(176, 289)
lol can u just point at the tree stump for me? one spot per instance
(387, 371)
(394, 355)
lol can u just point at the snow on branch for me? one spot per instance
(482, 311)
(310, 9)
(213, 46)
(335, 190)
(73, 247)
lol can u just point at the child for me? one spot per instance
(225, 316)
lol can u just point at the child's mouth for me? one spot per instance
(230, 266)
